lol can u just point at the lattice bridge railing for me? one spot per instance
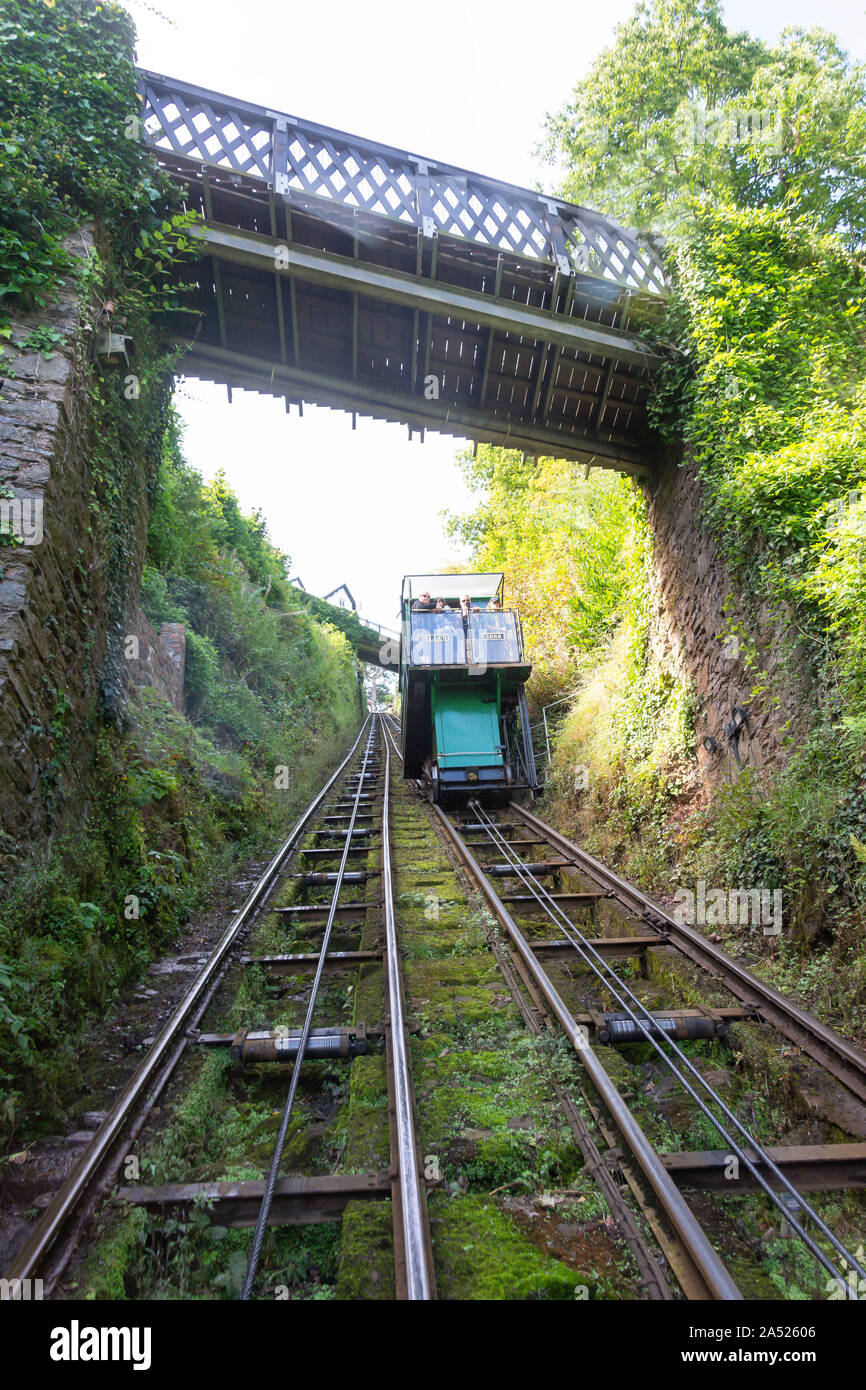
(294, 156)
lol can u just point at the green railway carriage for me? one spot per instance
(465, 724)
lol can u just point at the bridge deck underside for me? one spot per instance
(322, 303)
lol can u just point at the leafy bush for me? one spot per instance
(201, 673)
(764, 384)
(68, 152)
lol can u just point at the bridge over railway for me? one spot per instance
(350, 274)
(373, 642)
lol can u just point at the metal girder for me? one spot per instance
(612, 947)
(305, 1200)
(294, 963)
(378, 282)
(248, 372)
(808, 1167)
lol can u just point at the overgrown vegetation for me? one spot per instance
(176, 802)
(259, 666)
(69, 153)
(749, 157)
(163, 806)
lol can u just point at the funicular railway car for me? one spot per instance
(465, 723)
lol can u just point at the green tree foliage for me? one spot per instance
(562, 542)
(764, 385)
(679, 109)
(259, 667)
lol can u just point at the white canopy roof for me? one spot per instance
(452, 586)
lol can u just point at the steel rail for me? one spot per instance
(652, 1278)
(418, 1275)
(833, 1052)
(606, 973)
(708, 1266)
(270, 1185)
(27, 1263)
(651, 1275)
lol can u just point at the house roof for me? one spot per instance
(345, 589)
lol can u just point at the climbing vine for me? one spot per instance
(69, 152)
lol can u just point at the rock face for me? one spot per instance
(158, 659)
(54, 588)
(50, 650)
(703, 630)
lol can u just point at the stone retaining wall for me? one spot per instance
(695, 631)
(157, 659)
(54, 588)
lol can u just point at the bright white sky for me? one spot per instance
(463, 81)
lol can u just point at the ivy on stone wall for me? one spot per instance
(69, 153)
(771, 318)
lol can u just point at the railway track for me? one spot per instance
(523, 854)
(334, 886)
(345, 825)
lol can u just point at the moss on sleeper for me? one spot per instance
(492, 1114)
(106, 1270)
(479, 1253)
(367, 1134)
(366, 1269)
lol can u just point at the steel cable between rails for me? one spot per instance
(147, 1074)
(268, 1195)
(584, 947)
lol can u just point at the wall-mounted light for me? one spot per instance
(112, 349)
(710, 743)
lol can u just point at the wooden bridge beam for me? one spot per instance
(248, 372)
(378, 282)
